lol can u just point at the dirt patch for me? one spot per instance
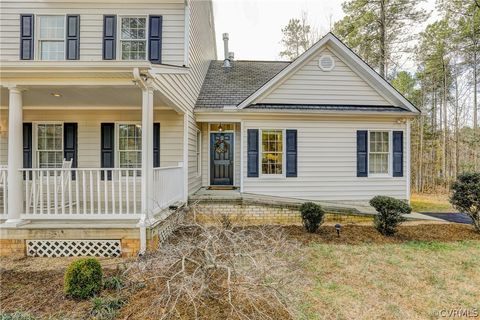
(361, 234)
(35, 286)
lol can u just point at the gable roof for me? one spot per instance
(230, 86)
(360, 66)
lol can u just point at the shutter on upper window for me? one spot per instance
(155, 39)
(109, 37)
(26, 36)
(252, 148)
(107, 146)
(398, 153)
(72, 40)
(156, 145)
(362, 153)
(291, 148)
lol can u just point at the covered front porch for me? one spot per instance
(89, 154)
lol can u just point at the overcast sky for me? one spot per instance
(255, 25)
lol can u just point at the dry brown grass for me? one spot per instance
(412, 280)
(425, 202)
(361, 275)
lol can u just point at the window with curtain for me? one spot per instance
(133, 38)
(379, 152)
(130, 145)
(51, 37)
(272, 152)
(49, 145)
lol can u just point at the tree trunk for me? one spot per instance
(445, 120)
(383, 40)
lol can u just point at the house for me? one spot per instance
(113, 114)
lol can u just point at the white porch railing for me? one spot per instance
(168, 186)
(82, 193)
(3, 192)
(70, 193)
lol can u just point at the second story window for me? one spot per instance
(51, 37)
(133, 38)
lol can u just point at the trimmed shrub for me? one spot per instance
(389, 215)
(466, 196)
(312, 216)
(83, 278)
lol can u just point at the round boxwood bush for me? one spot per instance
(390, 211)
(466, 196)
(83, 278)
(312, 216)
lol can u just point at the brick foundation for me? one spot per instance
(12, 247)
(240, 212)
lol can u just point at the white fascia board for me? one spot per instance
(379, 83)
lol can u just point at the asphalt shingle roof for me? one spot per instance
(230, 86)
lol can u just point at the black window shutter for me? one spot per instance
(362, 153)
(155, 39)
(73, 37)
(252, 147)
(70, 144)
(398, 153)
(291, 153)
(27, 147)
(26, 36)
(109, 37)
(156, 145)
(107, 146)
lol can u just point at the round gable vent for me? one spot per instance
(326, 63)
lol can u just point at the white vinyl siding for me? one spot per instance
(311, 85)
(91, 24)
(89, 122)
(326, 162)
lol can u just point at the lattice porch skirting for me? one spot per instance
(73, 248)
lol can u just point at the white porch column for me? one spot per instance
(147, 150)
(147, 163)
(15, 157)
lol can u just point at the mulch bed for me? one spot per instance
(364, 234)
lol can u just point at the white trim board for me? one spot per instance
(348, 56)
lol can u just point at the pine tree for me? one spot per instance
(378, 30)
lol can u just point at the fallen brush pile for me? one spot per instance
(217, 273)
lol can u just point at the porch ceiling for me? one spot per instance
(84, 97)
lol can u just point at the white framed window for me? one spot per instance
(272, 152)
(129, 145)
(133, 38)
(51, 37)
(49, 138)
(198, 152)
(379, 149)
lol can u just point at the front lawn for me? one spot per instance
(359, 275)
(430, 203)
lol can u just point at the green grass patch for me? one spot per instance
(428, 203)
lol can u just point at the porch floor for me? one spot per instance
(346, 207)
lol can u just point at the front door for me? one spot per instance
(221, 158)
